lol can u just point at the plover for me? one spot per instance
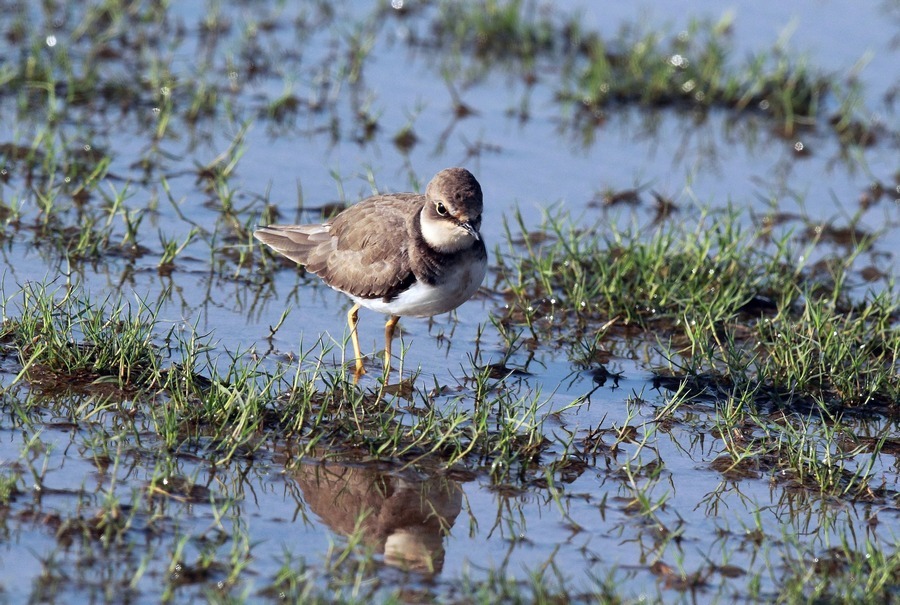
(401, 254)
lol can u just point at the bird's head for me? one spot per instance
(451, 217)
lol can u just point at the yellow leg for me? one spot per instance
(353, 319)
(388, 339)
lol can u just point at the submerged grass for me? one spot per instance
(692, 69)
(69, 100)
(66, 343)
(82, 342)
(723, 303)
(173, 401)
(135, 387)
(784, 354)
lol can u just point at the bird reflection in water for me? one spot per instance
(403, 517)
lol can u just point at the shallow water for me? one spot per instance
(578, 524)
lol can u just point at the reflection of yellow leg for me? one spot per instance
(388, 339)
(353, 319)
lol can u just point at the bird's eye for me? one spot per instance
(441, 209)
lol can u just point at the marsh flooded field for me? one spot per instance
(679, 381)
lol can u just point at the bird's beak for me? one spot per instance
(472, 231)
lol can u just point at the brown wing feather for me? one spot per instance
(294, 241)
(362, 251)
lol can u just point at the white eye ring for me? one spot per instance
(441, 209)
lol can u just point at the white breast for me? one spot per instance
(422, 300)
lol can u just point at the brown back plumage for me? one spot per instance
(356, 255)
